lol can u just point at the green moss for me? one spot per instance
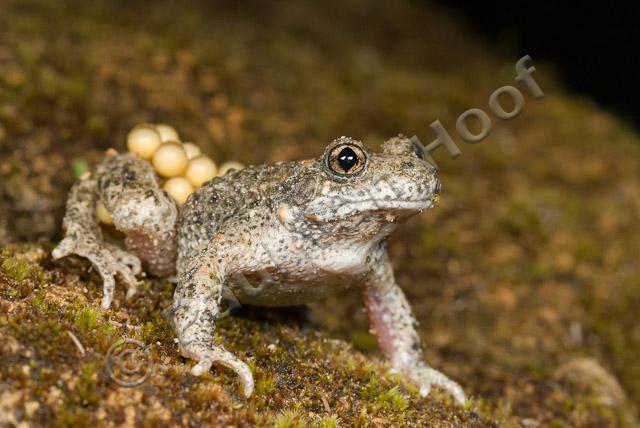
(363, 340)
(157, 329)
(586, 249)
(331, 421)
(266, 385)
(290, 419)
(87, 390)
(392, 399)
(536, 271)
(79, 167)
(614, 319)
(203, 394)
(41, 302)
(11, 294)
(86, 319)
(73, 416)
(519, 218)
(362, 419)
(384, 399)
(372, 391)
(435, 243)
(16, 269)
(21, 270)
(500, 410)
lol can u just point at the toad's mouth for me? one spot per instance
(387, 209)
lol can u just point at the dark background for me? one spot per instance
(594, 46)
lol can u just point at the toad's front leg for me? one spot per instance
(196, 306)
(395, 327)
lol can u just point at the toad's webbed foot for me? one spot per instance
(208, 354)
(425, 377)
(108, 261)
(125, 258)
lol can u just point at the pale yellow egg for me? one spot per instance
(191, 150)
(227, 166)
(143, 140)
(103, 215)
(167, 132)
(179, 188)
(200, 170)
(170, 159)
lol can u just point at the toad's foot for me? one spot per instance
(125, 258)
(426, 377)
(108, 259)
(395, 327)
(206, 355)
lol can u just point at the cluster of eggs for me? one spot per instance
(182, 166)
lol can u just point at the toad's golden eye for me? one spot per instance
(346, 159)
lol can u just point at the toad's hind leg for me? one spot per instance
(128, 188)
(84, 238)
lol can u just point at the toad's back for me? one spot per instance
(227, 197)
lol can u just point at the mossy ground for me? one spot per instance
(528, 264)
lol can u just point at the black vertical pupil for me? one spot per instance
(347, 159)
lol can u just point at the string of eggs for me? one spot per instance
(182, 166)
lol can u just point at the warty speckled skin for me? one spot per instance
(269, 235)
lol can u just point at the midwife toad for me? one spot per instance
(304, 229)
